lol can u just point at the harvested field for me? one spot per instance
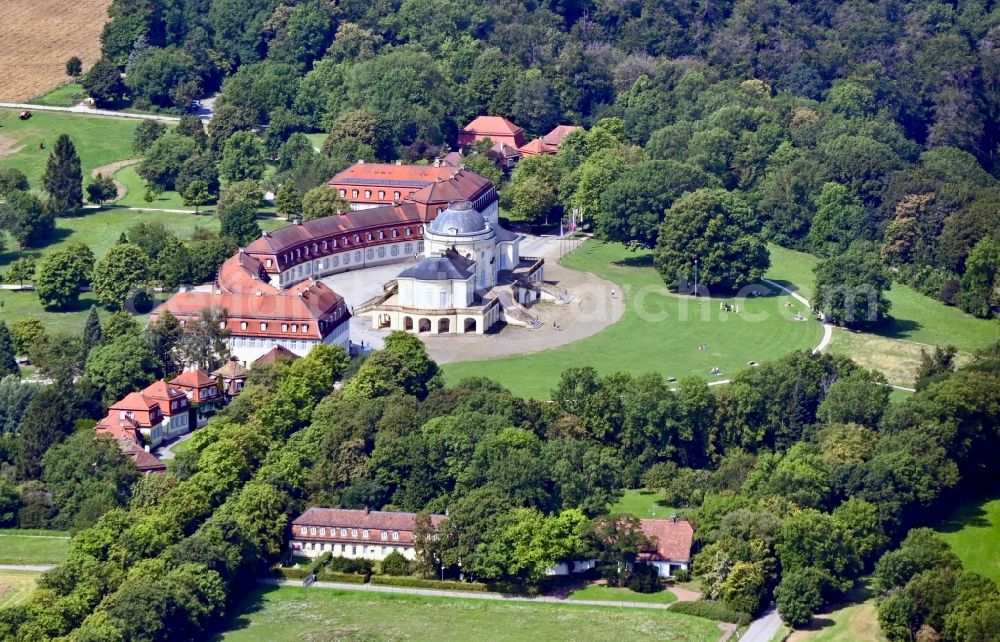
(36, 39)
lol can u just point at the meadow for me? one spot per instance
(98, 140)
(65, 95)
(659, 331)
(643, 503)
(973, 530)
(918, 322)
(33, 547)
(16, 587)
(855, 620)
(293, 613)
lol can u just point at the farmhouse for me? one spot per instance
(671, 544)
(355, 533)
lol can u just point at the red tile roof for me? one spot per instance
(232, 369)
(195, 378)
(672, 540)
(275, 353)
(144, 461)
(352, 518)
(118, 428)
(496, 128)
(556, 136)
(536, 147)
(135, 401)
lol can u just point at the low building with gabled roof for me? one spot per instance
(671, 540)
(495, 128)
(276, 353)
(363, 534)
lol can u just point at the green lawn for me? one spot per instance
(973, 531)
(292, 613)
(16, 587)
(317, 140)
(33, 547)
(67, 95)
(856, 620)
(136, 187)
(643, 503)
(915, 317)
(659, 332)
(98, 140)
(610, 594)
(15, 306)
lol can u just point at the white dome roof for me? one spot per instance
(460, 219)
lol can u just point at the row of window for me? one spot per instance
(291, 344)
(343, 548)
(334, 261)
(300, 252)
(311, 530)
(284, 327)
(368, 194)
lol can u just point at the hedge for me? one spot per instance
(292, 573)
(712, 610)
(345, 578)
(416, 582)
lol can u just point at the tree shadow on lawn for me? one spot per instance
(639, 260)
(896, 328)
(862, 592)
(241, 619)
(969, 514)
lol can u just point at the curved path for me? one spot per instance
(110, 170)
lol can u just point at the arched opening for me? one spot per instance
(408, 324)
(470, 325)
(425, 325)
(444, 325)
(384, 321)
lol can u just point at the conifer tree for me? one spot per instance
(8, 364)
(92, 331)
(63, 178)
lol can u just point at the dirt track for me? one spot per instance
(110, 169)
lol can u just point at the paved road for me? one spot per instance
(763, 628)
(466, 595)
(78, 109)
(35, 568)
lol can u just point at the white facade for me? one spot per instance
(249, 349)
(375, 551)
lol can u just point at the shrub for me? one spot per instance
(291, 573)
(644, 578)
(712, 610)
(415, 582)
(682, 575)
(348, 565)
(395, 564)
(327, 575)
(320, 562)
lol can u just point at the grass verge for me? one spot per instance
(602, 593)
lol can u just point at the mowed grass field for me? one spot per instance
(98, 140)
(289, 614)
(918, 322)
(644, 504)
(973, 531)
(603, 593)
(659, 331)
(33, 547)
(37, 37)
(856, 620)
(16, 587)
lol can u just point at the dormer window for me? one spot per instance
(395, 195)
(295, 327)
(263, 327)
(305, 327)
(381, 235)
(381, 193)
(357, 238)
(343, 193)
(243, 325)
(334, 242)
(354, 193)
(408, 232)
(368, 193)
(284, 327)
(395, 233)
(269, 262)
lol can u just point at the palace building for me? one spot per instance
(355, 533)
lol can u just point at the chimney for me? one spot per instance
(673, 519)
(437, 162)
(361, 161)
(398, 162)
(368, 510)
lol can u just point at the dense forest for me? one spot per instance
(800, 478)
